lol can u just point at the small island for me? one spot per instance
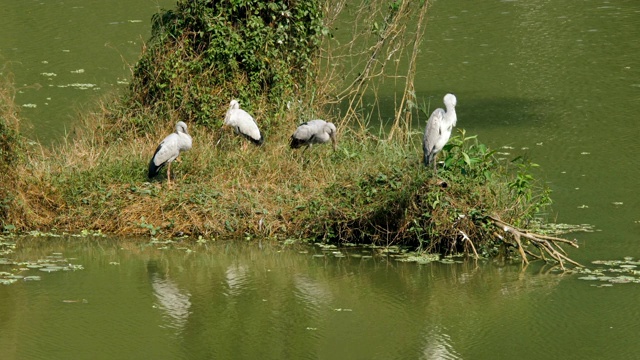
(285, 68)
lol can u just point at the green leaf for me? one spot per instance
(466, 159)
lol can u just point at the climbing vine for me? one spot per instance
(206, 52)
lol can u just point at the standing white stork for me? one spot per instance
(169, 150)
(438, 130)
(242, 123)
(313, 132)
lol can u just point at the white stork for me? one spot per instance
(438, 130)
(314, 132)
(242, 123)
(169, 150)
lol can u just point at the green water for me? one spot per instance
(235, 301)
(561, 80)
(65, 54)
(558, 81)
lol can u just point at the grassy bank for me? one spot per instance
(372, 189)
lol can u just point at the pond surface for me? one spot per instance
(557, 81)
(268, 301)
(65, 54)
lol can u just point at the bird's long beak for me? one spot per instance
(334, 142)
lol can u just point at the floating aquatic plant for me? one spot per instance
(422, 258)
(613, 272)
(6, 248)
(556, 229)
(51, 263)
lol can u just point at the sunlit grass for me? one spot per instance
(372, 189)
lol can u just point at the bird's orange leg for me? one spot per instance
(435, 161)
(169, 174)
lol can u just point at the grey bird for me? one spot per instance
(169, 150)
(438, 130)
(242, 123)
(314, 132)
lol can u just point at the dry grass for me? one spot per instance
(372, 189)
(219, 189)
(96, 180)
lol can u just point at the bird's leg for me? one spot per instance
(301, 158)
(220, 133)
(435, 161)
(169, 174)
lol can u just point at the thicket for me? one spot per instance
(12, 145)
(279, 60)
(205, 53)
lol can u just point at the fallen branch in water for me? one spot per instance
(548, 245)
(468, 241)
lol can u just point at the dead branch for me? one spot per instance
(548, 245)
(466, 238)
(409, 90)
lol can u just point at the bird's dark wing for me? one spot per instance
(154, 168)
(301, 136)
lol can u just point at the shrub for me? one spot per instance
(403, 203)
(207, 52)
(11, 145)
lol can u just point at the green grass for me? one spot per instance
(372, 189)
(369, 190)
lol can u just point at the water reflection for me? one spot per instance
(437, 345)
(313, 294)
(244, 302)
(236, 277)
(171, 300)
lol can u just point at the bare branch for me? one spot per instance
(548, 245)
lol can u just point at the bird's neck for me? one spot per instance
(451, 111)
(450, 115)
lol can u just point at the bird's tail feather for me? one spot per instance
(295, 143)
(429, 155)
(154, 169)
(258, 142)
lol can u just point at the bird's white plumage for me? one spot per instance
(170, 148)
(313, 132)
(242, 122)
(438, 129)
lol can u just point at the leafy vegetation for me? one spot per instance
(404, 203)
(205, 53)
(373, 189)
(12, 146)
